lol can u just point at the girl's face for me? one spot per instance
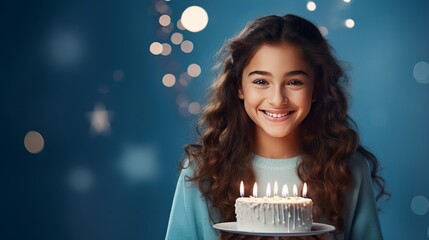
(277, 89)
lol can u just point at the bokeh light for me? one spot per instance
(180, 25)
(100, 119)
(311, 6)
(420, 205)
(167, 29)
(65, 48)
(185, 79)
(194, 18)
(166, 49)
(164, 20)
(182, 100)
(347, 1)
(139, 163)
(161, 7)
(162, 33)
(156, 48)
(350, 23)
(324, 31)
(421, 72)
(176, 38)
(81, 179)
(194, 70)
(118, 75)
(194, 108)
(34, 142)
(187, 46)
(169, 80)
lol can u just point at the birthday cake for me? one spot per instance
(274, 214)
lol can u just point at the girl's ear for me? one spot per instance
(240, 94)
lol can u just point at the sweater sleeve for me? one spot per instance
(363, 221)
(189, 216)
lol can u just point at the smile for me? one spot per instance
(276, 115)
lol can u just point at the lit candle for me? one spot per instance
(304, 190)
(255, 190)
(275, 188)
(241, 189)
(295, 190)
(285, 191)
(268, 190)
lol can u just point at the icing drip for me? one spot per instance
(288, 219)
(291, 214)
(278, 213)
(264, 220)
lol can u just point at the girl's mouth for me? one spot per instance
(276, 115)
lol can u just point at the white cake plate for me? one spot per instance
(316, 228)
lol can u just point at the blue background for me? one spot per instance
(63, 60)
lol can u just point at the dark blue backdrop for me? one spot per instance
(91, 137)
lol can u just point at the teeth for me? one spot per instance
(276, 115)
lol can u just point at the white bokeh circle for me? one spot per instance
(194, 18)
(311, 6)
(350, 23)
(421, 72)
(420, 205)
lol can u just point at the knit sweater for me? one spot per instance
(192, 217)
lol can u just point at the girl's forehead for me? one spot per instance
(277, 57)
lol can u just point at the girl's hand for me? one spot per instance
(230, 236)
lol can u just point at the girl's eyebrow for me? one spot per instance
(288, 74)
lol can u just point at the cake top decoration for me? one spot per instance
(284, 194)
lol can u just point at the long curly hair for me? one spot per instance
(227, 135)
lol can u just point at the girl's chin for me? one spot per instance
(276, 134)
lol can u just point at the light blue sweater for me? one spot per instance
(190, 218)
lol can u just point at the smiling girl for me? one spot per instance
(278, 112)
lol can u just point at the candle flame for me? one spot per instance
(241, 188)
(275, 188)
(285, 191)
(255, 190)
(295, 190)
(304, 190)
(268, 190)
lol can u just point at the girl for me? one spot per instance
(278, 111)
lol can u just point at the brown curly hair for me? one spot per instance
(227, 135)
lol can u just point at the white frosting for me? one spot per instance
(274, 214)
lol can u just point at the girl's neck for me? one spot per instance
(278, 148)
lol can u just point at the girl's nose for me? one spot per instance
(278, 97)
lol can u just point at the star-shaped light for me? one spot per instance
(100, 119)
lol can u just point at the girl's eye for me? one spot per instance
(295, 82)
(260, 82)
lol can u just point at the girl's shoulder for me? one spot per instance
(358, 165)
(188, 167)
